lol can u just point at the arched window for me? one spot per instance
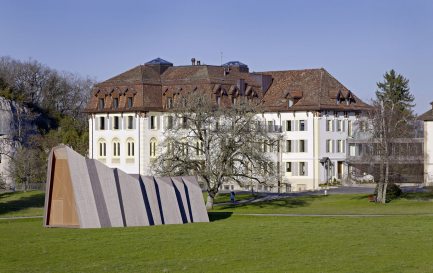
(153, 147)
(116, 147)
(102, 148)
(130, 147)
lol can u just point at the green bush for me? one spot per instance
(393, 191)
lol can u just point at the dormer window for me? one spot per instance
(290, 102)
(101, 104)
(338, 100)
(115, 103)
(129, 102)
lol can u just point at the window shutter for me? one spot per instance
(306, 124)
(344, 125)
(296, 125)
(334, 125)
(306, 168)
(306, 146)
(158, 122)
(284, 125)
(295, 168)
(96, 124)
(111, 119)
(295, 146)
(344, 146)
(333, 146)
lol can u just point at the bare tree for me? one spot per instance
(391, 119)
(218, 144)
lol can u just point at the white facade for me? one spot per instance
(128, 141)
(428, 152)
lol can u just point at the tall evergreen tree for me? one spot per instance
(392, 118)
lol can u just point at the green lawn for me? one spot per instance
(419, 203)
(29, 203)
(231, 242)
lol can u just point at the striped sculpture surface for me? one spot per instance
(84, 193)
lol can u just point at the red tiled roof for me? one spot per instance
(311, 89)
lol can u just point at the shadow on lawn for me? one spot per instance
(289, 202)
(34, 201)
(215, 216)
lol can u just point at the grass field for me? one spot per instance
(232, 242)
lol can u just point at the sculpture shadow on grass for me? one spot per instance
(289, 202)
(216, 216)
(34, 201)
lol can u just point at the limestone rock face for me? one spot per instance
(13, 120)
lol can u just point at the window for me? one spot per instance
(169, 102)
(184, 122)
(170, 149)
(169, 120)
(101, 104)
(130, 122)
(153, 122)
(265, 146)
(234, 100)
(185, 149)
(130, 147)
(270, 125)
(199, 148)
(116, 148)
(101, 123)
(329, 127)
(102, 148)
(302, 168)
(289, 102)
(153, 147)
(115, 103)
(288, 125)
(130, 102)
(329, 146)
(116, 123)
(349, 128)
(288, 167)
(339, 125)
(302, 148)
(341, 146)
(302, 125)
(288, 146)
(218, 100)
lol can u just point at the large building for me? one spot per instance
(313, 113)
(428, 146)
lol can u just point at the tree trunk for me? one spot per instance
(385, 184)
(209, 202)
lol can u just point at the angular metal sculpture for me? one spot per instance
(85, 193)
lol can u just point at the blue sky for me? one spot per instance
(356, 41)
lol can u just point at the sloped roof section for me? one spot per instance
(427, 116)
(309, 89)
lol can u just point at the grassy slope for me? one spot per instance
(29, 203)
(234, 244)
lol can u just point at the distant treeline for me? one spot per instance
(50, 112)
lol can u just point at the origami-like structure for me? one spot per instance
(85, 193)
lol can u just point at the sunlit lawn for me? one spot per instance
(231, 242)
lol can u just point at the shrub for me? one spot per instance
(393, 191)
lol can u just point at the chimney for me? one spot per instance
(198, 62)
(241, 86)
(192, 61)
